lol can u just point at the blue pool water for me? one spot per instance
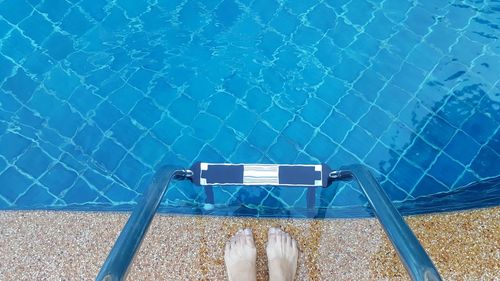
(96, 95)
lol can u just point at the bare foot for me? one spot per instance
(282, 254)
(240, 255)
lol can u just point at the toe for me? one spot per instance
(241, 237)
(280, 236)
(288, 239)
(284, 240)
(272, 235)
(234, 239)
(249, 236)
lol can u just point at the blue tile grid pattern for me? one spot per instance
(96, 95)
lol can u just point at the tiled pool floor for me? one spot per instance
(72, 246)
(95, 95)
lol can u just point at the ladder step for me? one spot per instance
(303, 175)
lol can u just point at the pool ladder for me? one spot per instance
(412, 254)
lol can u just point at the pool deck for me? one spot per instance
(73, 245)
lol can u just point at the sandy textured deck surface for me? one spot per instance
(72, 246)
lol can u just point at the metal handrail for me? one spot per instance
(116, 266)
(412, 254)
(410, 251)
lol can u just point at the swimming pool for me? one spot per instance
(97, 95)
